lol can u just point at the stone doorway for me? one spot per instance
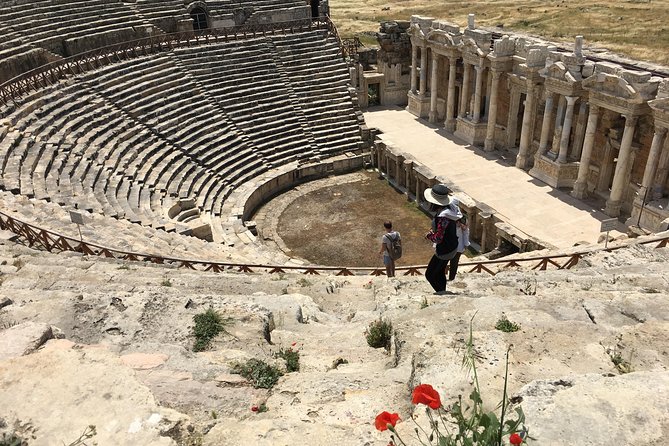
(373, 95)
(607, 169)
(200, 19)
(314, 8)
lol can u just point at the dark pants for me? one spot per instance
(453, 266)
(436, 273)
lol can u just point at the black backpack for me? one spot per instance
(395, 249)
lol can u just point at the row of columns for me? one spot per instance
(652, 176)
(556, 128)
(563, 121)
(471, 104)
(465, 96)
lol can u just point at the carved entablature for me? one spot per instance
(635, 87)
(447, 27)
(504, 47)
(501, 57)
(418, 36)
(421, 23)
(536, 56)
(441, 37)
(558, 71)
(482, 38)
(472, 53)
(660, 104)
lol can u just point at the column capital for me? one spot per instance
(495, 74)
(548, 94)
(630, 119)
(453, 60)
(571, 100)
(661, 131)
(435, 55)
(478, 69)
(594, 109)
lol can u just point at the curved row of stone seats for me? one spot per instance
(165, 14)
(224, 6)
(75, 148)
(129, 139)
(118, 234)
(157, 93)
(320, 82)
(50, 142)
(12, 42)
(68, 27)
(255, 94)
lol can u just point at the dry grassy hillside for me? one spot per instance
(636, 28)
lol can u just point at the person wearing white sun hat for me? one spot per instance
(442, 235)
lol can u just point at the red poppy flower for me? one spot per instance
(515, 439)
(293, 344)
(425, 394)
(255, 408)
(384, 419)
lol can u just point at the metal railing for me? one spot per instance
(38, 238)
(53, 72)
(350, 46)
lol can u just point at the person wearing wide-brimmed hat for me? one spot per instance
(443, 234)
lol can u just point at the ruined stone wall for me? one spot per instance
(394, 43)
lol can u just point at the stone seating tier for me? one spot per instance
(52, 23)
(128, 139)
(157, 9)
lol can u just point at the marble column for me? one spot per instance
(661, 174)
(407, 176)
(579, 132)
(450, 103)
(423, 72)
(546, 124)
(414, 62)
(581, 184)
(557, 127)
(623, 167)
(464, 99)
(489, 143)
(397, 172)
(512, 120)
(652, 162)
(488, 93)
(566, 129)
(477, 94)
(432, 117)
(526, 129)
(419, 196)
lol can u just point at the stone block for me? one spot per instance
(23, 339)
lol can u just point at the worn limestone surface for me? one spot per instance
(630, 409)
(54, 394)
(23, 339)
(128, 333)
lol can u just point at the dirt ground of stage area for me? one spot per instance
(342, 224)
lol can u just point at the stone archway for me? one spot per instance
(199, 13)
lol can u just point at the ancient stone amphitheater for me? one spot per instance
(163, 125)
